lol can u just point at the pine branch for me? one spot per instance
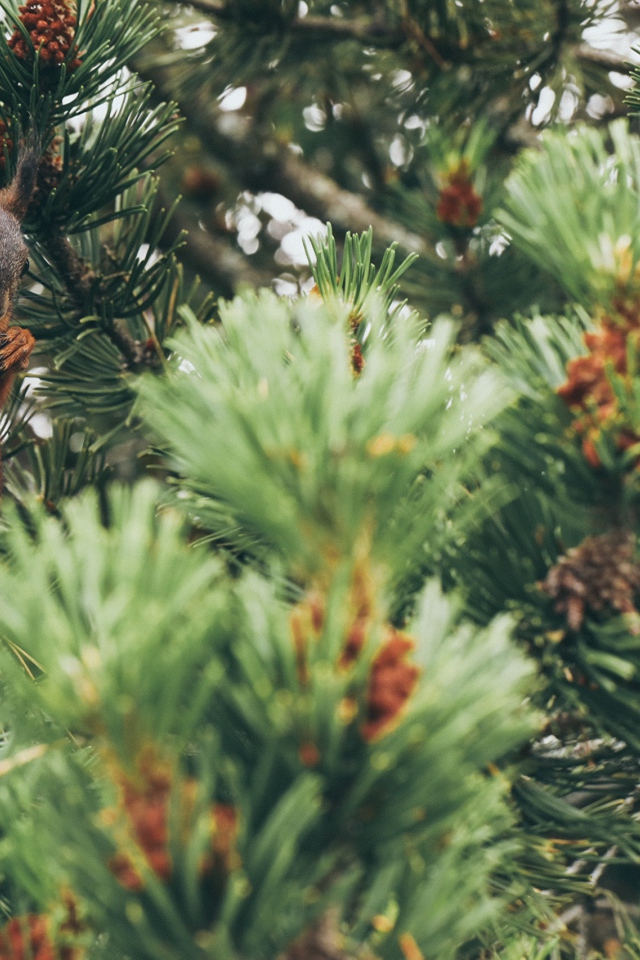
(368, 30)
(374, 31)
(265, 165)
(321, 196)
(80, 281)
(78, 276)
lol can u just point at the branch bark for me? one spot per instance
(608, 59)
(81, 281)
(322, 197)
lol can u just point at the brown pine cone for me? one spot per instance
(601, 573)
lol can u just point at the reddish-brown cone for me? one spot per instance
(357, 360)
(29, 938)
(223, 856)
(391, 683)
(145, 800)
(458, 203)
(309, 754)
(588, 390)
(51, 25)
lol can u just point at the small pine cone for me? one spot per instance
(458, 203)
(145, 801)
(392, 680)
(357, 360)
(600, 574)
(51, 25)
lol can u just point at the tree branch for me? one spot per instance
(375, 31)
(322, 197)
(365, 29)
(266, 165)
(608, 59)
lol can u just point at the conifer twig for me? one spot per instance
(78, 276)
(80, 280)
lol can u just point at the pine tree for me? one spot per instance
(319, 621)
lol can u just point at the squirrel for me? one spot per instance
(16, 343)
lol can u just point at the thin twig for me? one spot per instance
(76, 273)
(414, 32)
(80, 281)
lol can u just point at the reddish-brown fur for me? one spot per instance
(16, 343)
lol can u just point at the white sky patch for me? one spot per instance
(195, 37)
(399, 151)
(568, 104)
(149, 259)
(598, 106)
(314, 118)
(277, 206)
(621, 80)
(41, 425)
(613, 34)
(546, 101)
(76, 442)
(286, 287)
(233, 98)
(402, 80)
(292, 245)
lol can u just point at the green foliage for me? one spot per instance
(102, 294)
(358, 281)
(512, 43)
(105, 159)
(59, 466)
(215, 736)
(574, 209)
(344, 461)
(144, 650)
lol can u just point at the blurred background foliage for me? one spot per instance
(492, 140)
(403, 115)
